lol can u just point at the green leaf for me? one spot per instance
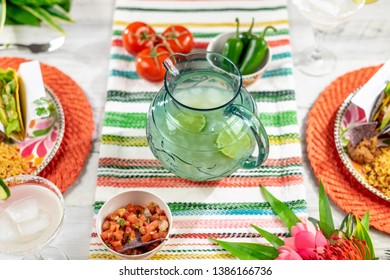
(66, 5)
(361, 232)
(21, 16)
(387, 89)
(44, 16)
(314, 221)
(347, 225)
(248, 251)
(270, 237)
(285, 214)
(326, 218)
(366, 220)
(3, 14)
(59, 12)
(37, 2)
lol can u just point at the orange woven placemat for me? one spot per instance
(70, 158)
(339, 184)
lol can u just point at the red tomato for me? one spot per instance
(138, 36)
(148, 64)
(179, 38)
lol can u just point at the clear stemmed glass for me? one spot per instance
(31, 218)
(324, 15)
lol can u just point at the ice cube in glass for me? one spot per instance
(24, 210)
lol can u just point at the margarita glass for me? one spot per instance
(31, 218)
(324, 15)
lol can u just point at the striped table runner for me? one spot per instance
(221, 209)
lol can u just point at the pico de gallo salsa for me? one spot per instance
(119, 227)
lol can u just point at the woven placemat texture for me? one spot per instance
(68, 162)
(339, 184)
(225, 208)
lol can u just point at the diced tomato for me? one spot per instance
(147, 237)
(114, 226)
(130, 208)
(106, 235)
(132, 218)
(118, 235)
(155, 235)
(154, 217)
(116, 243)
(142, 218)
(112, 216)
(105, 225)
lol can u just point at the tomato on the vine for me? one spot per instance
(138, 36)
(179, 38)
(148, 63)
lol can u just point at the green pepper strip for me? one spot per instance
(233, 46)
(255, 53)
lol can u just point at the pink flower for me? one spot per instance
(287, 253)
(306, 241)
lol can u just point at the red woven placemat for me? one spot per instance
(339, 184)
(70, 158)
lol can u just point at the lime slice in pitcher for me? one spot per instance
(231, 145)
(191, 122)
(4, 190)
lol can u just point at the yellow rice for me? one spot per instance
(11, 162)
(378, 171)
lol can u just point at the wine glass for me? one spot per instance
(324, 15)
(31, 218)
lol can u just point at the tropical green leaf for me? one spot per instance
(44, 16)
(66, 5)
(326, 218)
(347, 225)
(361, 232)
(37, 2)
(314, 221)
(10, 21)
(248, 251)
(59, 12)
(21, 16)
(270, 237)
(285, 214)
(366, 220)
(3, 13)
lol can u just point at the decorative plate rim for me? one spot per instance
(61, 132)
(340, 150)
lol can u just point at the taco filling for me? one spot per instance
(382, 115)
(10, 111)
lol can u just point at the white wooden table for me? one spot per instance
(363, 41)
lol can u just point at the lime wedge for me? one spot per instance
(231, 145)
(191, 122)
(4, 190)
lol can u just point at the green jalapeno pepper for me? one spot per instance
(233, 46)
(246, 36)
(255, 53)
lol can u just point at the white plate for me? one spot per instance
(43, 138)
(347, 116)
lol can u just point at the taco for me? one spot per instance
(10, 108)
(381, 112)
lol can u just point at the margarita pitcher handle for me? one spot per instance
(258, 131)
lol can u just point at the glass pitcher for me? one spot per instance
(203, 125)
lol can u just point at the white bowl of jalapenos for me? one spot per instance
(134, 217)
(249, 51)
